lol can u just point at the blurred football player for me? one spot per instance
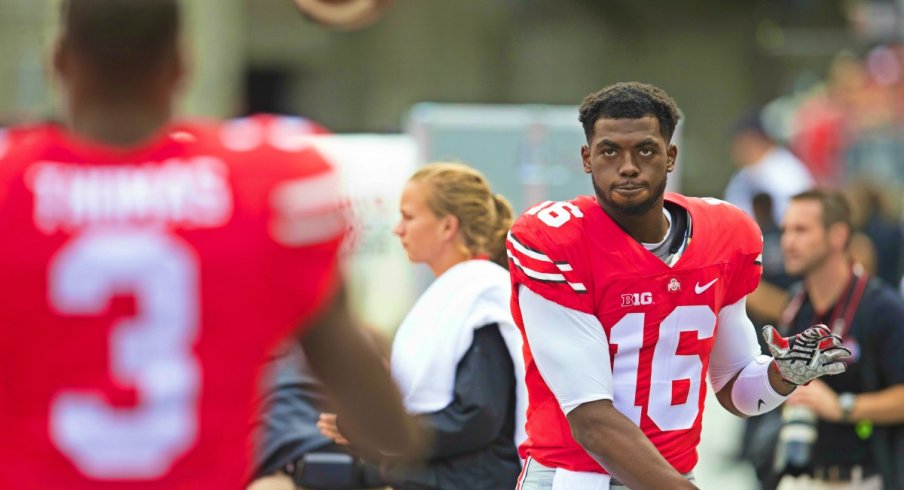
(627, 299)
(147, 267)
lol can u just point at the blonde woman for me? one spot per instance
(457, 355)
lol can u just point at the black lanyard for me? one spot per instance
(842, 313)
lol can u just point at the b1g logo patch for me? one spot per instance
(637, 299)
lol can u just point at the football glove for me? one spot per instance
(808, 355)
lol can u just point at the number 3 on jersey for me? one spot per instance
(667, 367)
(152, 352)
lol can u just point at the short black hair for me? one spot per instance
(630, 100)
(121, 39)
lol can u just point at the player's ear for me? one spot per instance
(180, 64)
(671, 158)
(175, 68)
(59, 59)
(585, 158)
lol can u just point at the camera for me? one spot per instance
(335, 471)
(794, 451)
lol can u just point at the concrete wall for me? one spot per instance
(712, 56)
(215, 36)
(708, 57)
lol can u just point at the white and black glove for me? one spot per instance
(813, 353)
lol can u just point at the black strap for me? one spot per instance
(843, 312)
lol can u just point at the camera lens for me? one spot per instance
(795, 441)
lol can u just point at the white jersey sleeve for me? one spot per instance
(737, 353)
(570, 349)
(735, 345)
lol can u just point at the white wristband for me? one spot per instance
(752, 393)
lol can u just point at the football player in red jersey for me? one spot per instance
(627, 299)
(148, 266)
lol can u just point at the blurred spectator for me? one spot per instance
(773, 261)
(850, 132)
(457, 356)
(878, 140)
(860, 426)
(768, 176)
(873, 219)
(821, 124)
(765, 167)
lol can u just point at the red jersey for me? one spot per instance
(141, 289)
(660, 321)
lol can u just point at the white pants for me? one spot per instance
(535, 476)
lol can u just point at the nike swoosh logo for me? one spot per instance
(701, 289)
(759, 405)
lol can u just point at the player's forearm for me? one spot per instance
(370, 408)
(880, 407)
(755, 390)
(780, 386)
(746, 382)
(622, 449)
(368, 402)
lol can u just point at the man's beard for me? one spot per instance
(634, 209)
(811, 265)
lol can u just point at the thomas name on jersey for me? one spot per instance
(188, 193)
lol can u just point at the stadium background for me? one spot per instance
(526, 57)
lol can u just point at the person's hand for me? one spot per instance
(808, 355)
(328, 425)
(818, 397)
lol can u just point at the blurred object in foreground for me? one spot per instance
(345, 15)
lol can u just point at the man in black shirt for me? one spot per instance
(860, 427)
